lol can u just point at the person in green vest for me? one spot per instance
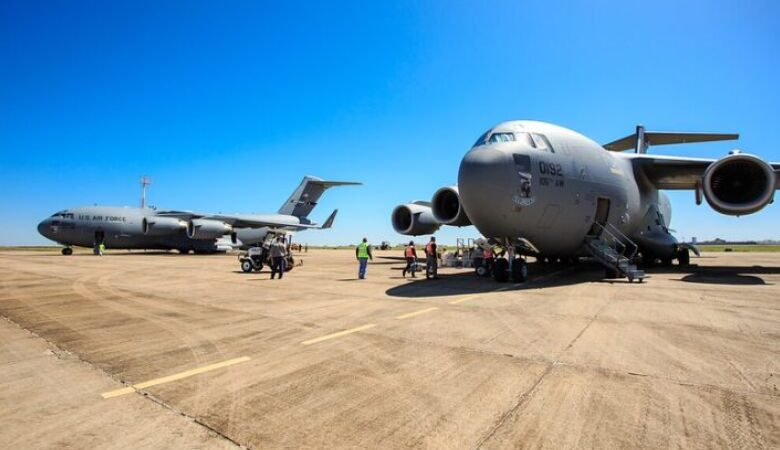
(101, 248)
(363, 254)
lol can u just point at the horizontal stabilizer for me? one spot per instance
(648, 138)
(329, 221)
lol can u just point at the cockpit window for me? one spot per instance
(501, 137)
(542, 143)
(505, 136)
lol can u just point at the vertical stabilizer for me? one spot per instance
(307, 194)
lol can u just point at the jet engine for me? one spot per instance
(207, 229)
(162, 226)
(414, 219)
(739, 184)
(448, 209)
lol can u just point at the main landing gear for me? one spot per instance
(67, 251)
(684, 257)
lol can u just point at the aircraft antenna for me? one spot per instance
(145, 181)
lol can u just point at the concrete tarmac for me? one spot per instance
(134, 350)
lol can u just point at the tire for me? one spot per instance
(501, 270)
(67, 251)
(482, 270)
(519, 271)
(684, 257)
(258, 267)
(184, 251)
(246, 266)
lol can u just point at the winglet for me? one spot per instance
(329, 221)
(642, 139)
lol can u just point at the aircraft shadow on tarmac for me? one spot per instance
(467, 282)
(543, 276)
(734, 275)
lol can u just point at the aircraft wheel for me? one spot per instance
(519, 271)
(482, 270)
(501, 270)
(184, 251)
(246, 266)
(67, 251)
(684, 257)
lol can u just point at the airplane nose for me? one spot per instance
(44, 228)
(485, 182)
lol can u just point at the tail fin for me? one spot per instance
(329, 221)
(305, 197)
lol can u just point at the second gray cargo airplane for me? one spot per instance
(185, 231)
(543, 190)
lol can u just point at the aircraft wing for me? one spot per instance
(673, 172)
(247, 221)
(183, 215)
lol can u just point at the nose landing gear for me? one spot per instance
(512, 267)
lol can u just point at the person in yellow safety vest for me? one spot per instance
(410, 253)
(363, 254)
(431, 260)
(101, 248)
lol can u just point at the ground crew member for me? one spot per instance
(431, 260)
(278, 251)
(101, 248)
(363, 254)
(487, 256)
(411, 259)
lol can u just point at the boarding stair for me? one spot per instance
(615, 251)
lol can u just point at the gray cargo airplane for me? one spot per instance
(185, 231)
(543, 190)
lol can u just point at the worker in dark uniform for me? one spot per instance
(431, 260)
(411, 259)
(278, 251)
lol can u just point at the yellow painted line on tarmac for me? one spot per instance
(416, 313)
(174, 377)
(461, 300)
(338, 334)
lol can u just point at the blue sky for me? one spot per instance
(227, 106)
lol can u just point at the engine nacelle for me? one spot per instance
(739, 184)
(207, 229)
(414, 219)
(448, 209)
(162, 226)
